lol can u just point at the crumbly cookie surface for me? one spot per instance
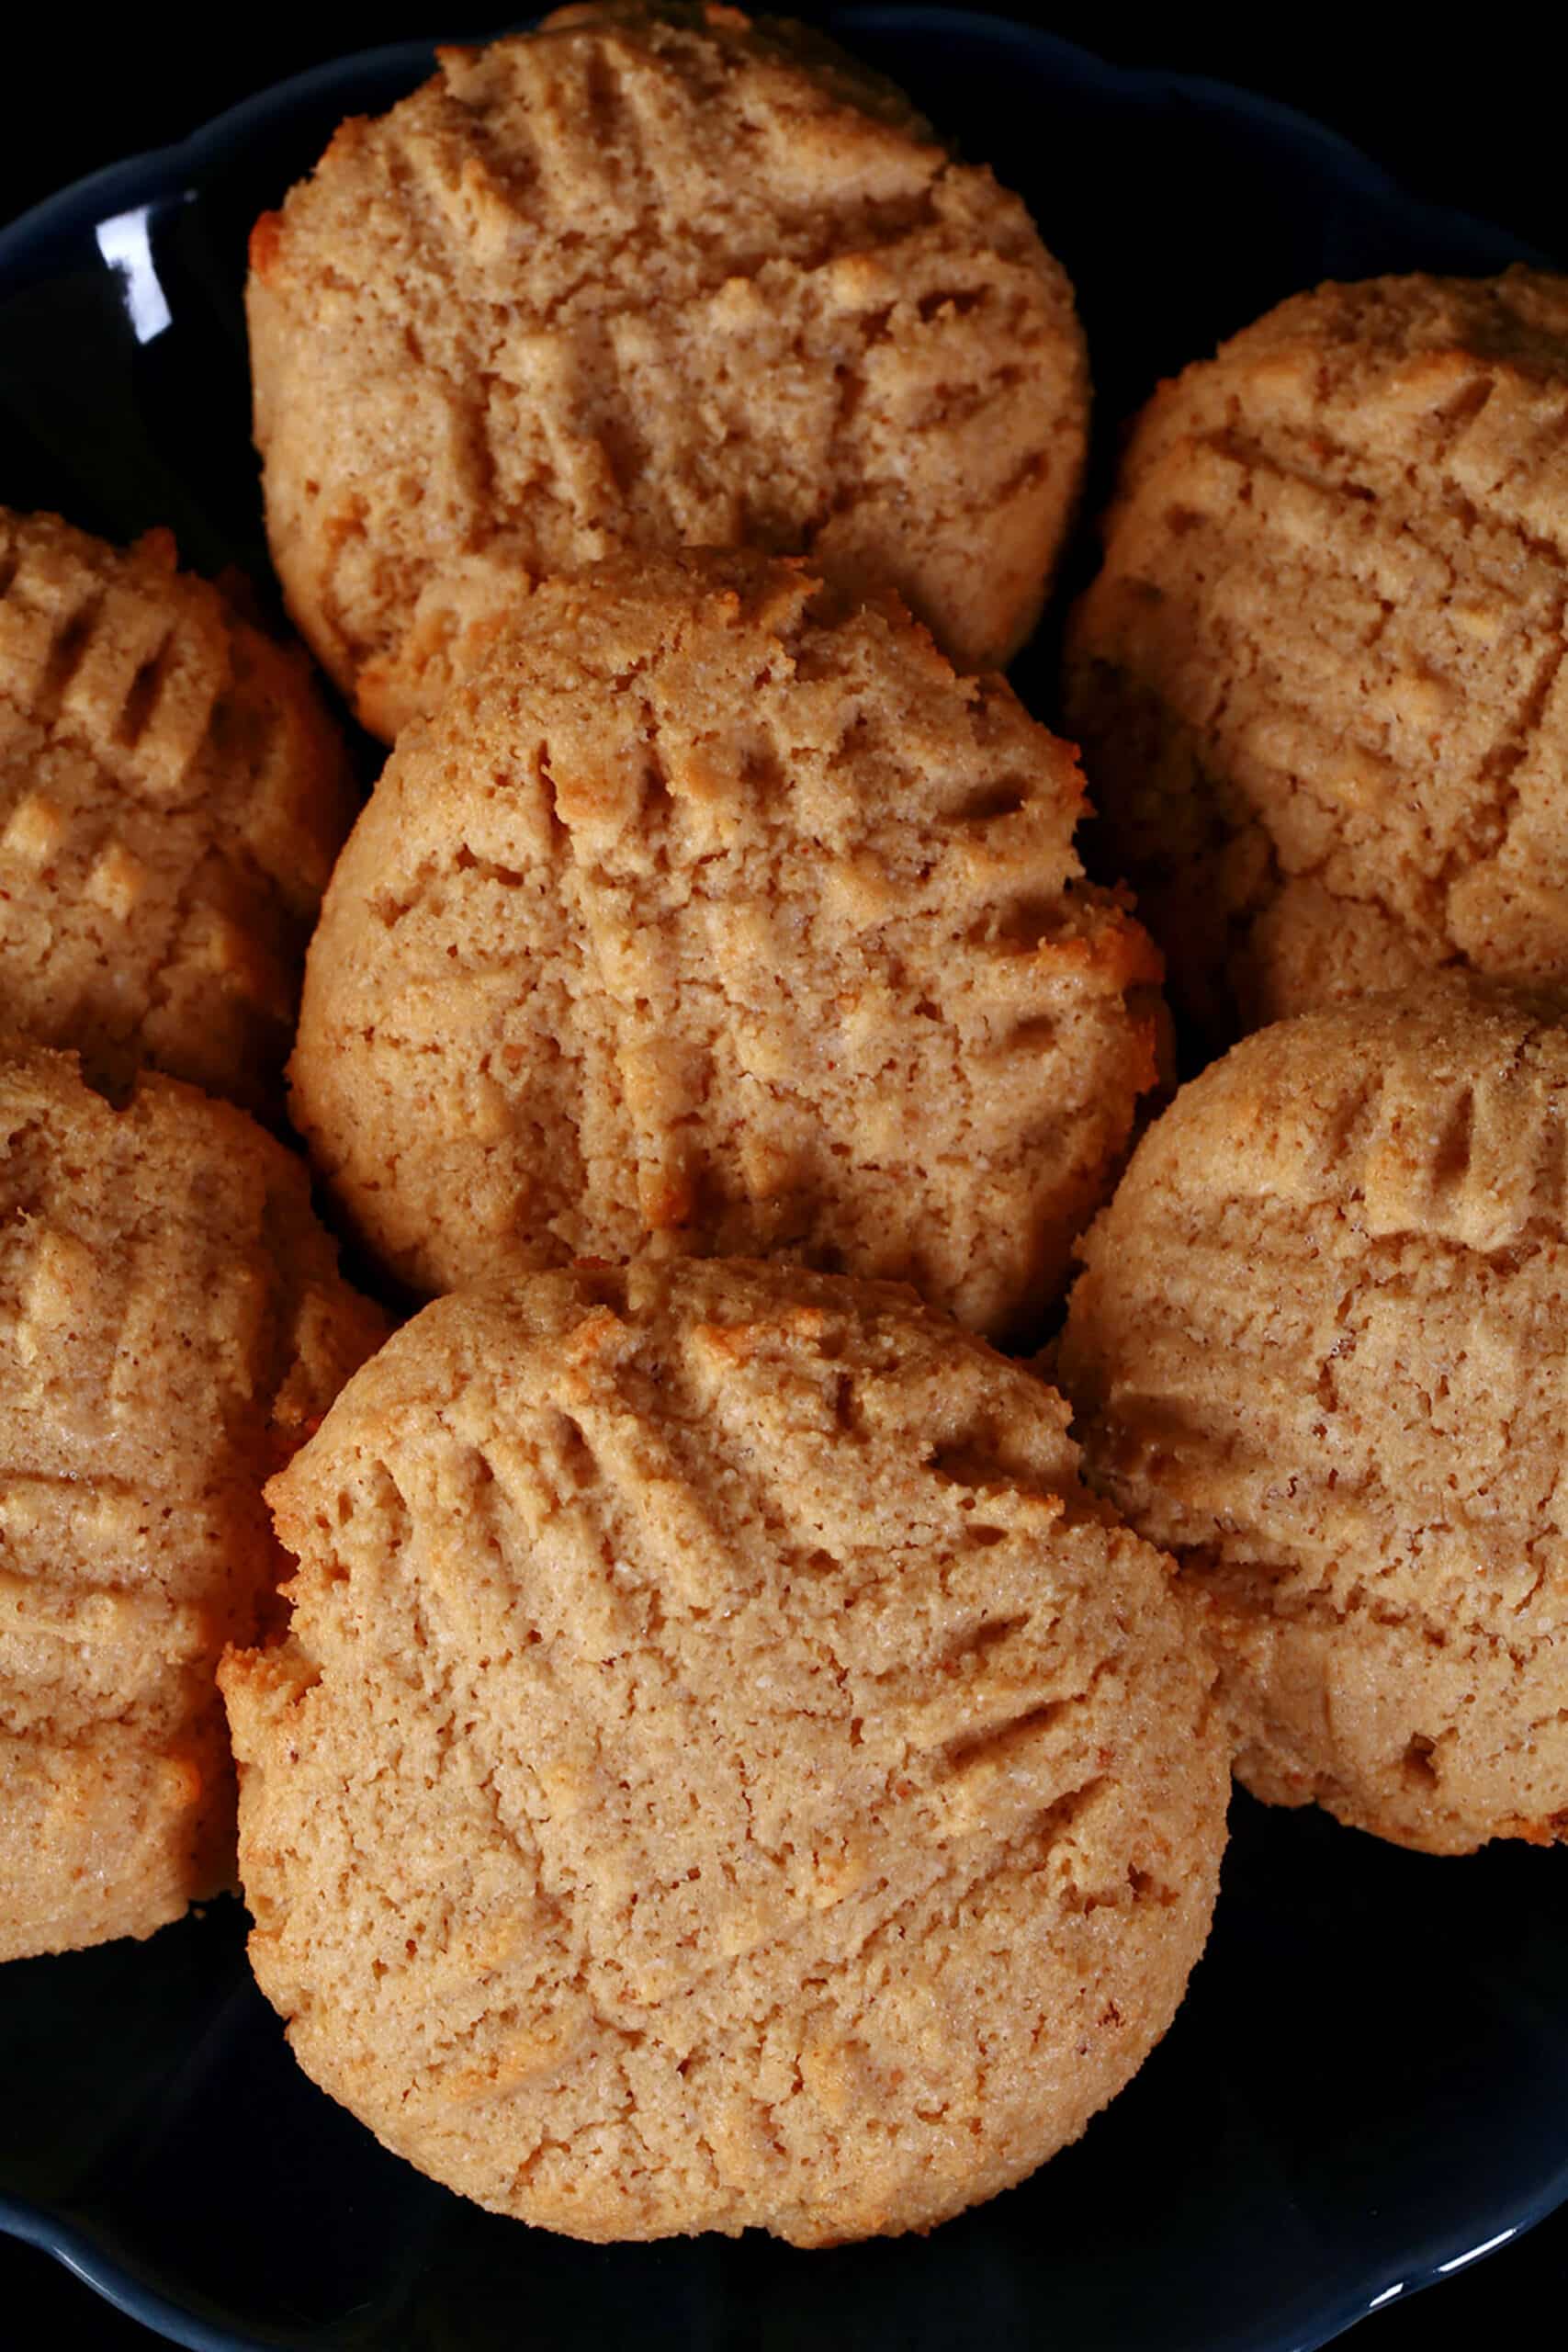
(652, 278)
(724, 1769)
(172, 796)
(717, 911)
(1317, 1353)
(1319, 680)
(171, 1325)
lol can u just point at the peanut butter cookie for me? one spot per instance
(652, 278)
(171, 1325)
(724, 1770)
(172, 796)
(1319, 680)
(715, 907)
(1317, 1351)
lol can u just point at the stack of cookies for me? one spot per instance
(1317, 1346)
(171, 1320)
(726, 1757)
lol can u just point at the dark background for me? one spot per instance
(1468, 114)
(1472, 118)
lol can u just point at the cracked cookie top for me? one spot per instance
(1319, 680)
(724, 1769)
(171, 1325)
(652, 278)
(1317, 1351)
(171, 795)
(715, 911)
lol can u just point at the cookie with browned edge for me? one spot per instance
(724, 1770)
(715, 912)
(652, 278)
(1317, 1353)
(1319, 680)
(171, 795)
(171, 1325)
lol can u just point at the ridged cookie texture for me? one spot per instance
(171, 795)
(1317, 1350)
(171, 1325)
(724, 1769)
(1319, 680)
(716, 909)
(652, 278)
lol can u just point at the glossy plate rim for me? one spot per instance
(140, 177)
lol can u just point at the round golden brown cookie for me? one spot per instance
(1317, 1351)
(1319, 680)
(172, 796)
(171, 1325)
(716, 909)
(652, 278)
(725, 1770)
